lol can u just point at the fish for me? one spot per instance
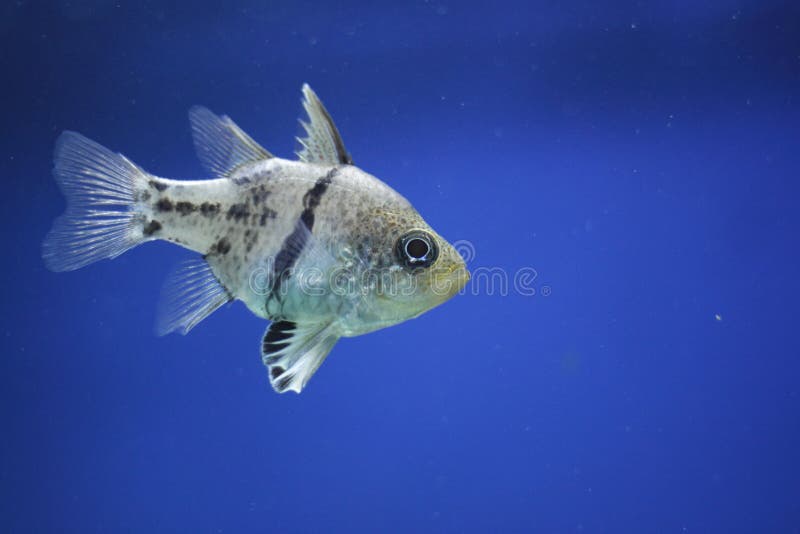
(315, 245)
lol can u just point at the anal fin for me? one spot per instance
(191, 293)
(293, 352)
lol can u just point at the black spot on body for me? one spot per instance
(250, 238)
(164, 204)
(241, 181)
(265, 215)
(223, 246)
(260, 194)
(208, 209)
(159, 186)
(152, 227)
(238, 212)
(185, 208)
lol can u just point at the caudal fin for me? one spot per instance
(103, 218)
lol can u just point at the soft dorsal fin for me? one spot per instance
(221, 145)
(322, 143)
(294, 351)
(191, 293)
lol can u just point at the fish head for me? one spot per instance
(411, 269)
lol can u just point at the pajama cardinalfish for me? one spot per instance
(317, 246)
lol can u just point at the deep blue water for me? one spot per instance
(642, 157)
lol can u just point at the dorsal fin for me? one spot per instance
(221, 145)
(322, 143)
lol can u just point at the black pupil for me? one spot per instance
(417, 248)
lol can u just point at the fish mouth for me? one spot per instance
(448, 282)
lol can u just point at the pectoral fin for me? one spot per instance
(293, 352)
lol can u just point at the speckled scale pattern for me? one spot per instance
(240, 222)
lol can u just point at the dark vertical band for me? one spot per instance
(294, 244)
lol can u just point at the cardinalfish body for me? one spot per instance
(315, 245)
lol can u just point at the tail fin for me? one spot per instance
(103, 217)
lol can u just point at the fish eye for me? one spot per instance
(417, 249)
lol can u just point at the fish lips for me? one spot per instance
(448, 282)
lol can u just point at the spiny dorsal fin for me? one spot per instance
(221, 145)
(294, 351)
(322, 143)
(191, 293)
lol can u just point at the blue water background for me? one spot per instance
(642, 157)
